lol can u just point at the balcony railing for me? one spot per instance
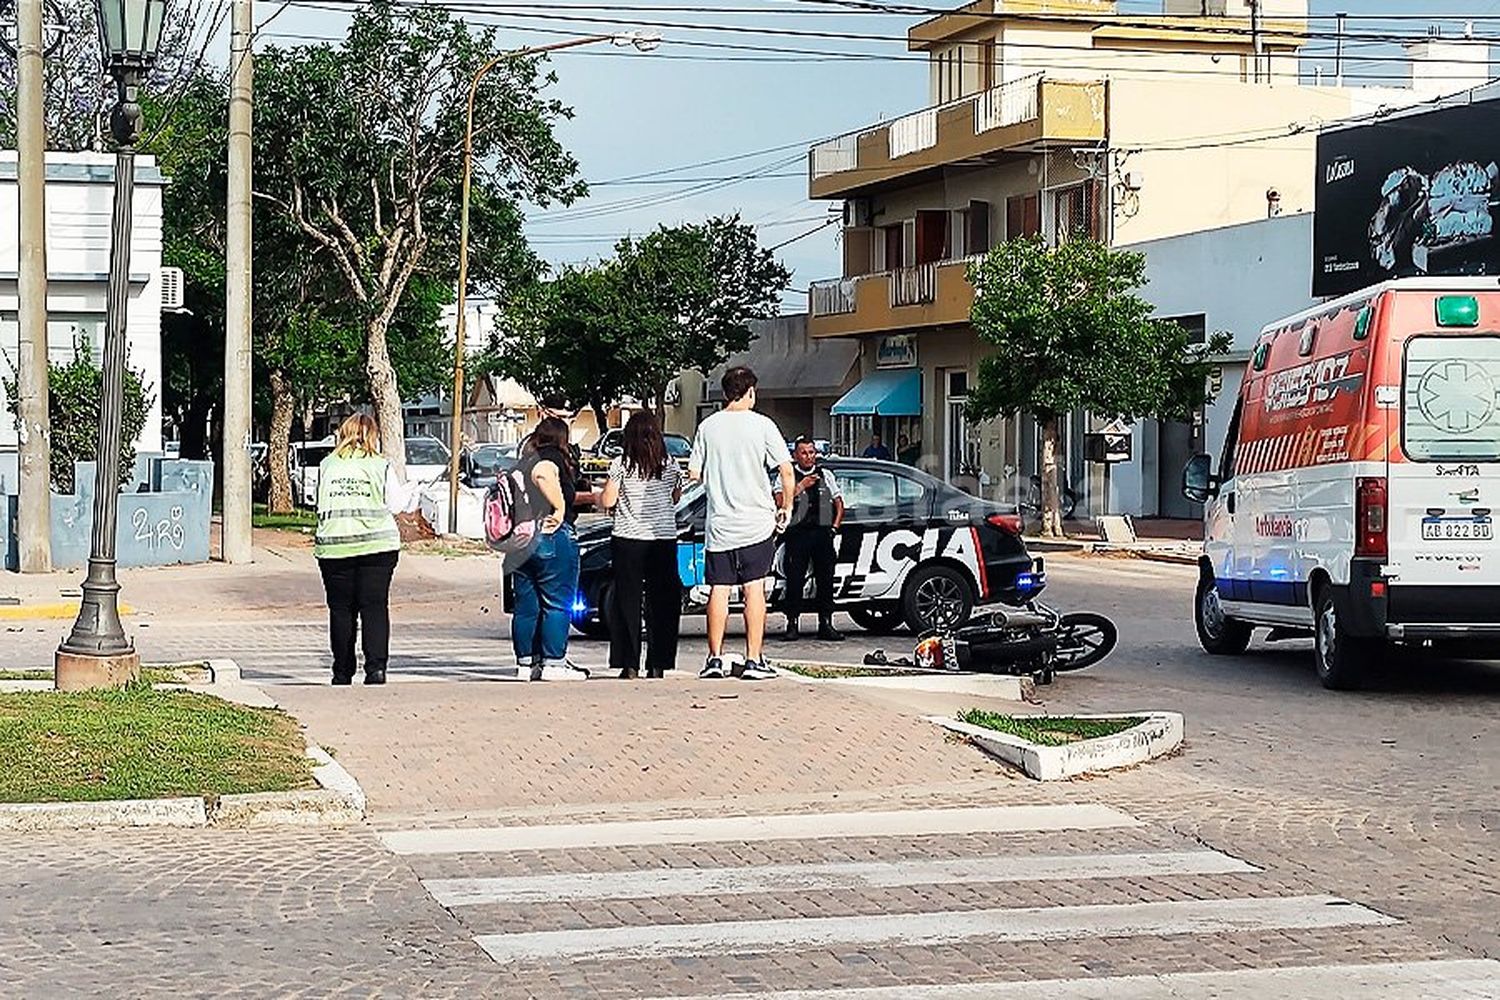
(913, 133)
(1008, 104)
(913, 286)
(835, 155)
(833, 297)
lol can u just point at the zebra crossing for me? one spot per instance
(645, 900)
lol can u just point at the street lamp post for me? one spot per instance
(97, 653)
(642, 41)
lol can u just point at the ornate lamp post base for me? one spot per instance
(89, 672)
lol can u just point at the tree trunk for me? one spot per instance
(1052, 522)
(278, 451)
(385, 394)
(601, 416)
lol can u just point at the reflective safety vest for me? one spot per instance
(352, 516)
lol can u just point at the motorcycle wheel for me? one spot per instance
(1084, 639)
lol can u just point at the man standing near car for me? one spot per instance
(817, 514)
(732, 454)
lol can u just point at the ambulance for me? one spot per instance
(1356, 495)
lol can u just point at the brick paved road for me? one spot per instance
(1384, 798)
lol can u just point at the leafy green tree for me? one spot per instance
(680, 298)
(73, 391)
(365, 144)
(568, 337)
(690, 292)
(1069, 332)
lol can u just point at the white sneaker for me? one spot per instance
(565, 671)
(757, 670)
(712, 670)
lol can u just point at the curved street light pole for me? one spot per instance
(642, 42)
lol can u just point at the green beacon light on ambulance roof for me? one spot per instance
(1457, 310)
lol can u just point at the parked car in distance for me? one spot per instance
(596, 459)
(304, 458)
(482, 464)
(426, 460)
(913, 551)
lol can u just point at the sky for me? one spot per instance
(670, 113)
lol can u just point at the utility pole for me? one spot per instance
(1257, 41)
(237, 306)
(35, 521)
(1338, 51)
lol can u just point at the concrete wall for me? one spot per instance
(80, 191)
(164, 517)
(1240, 278)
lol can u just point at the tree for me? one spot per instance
(74, 388)
(78, 95)
(567, 337)
(679, 298)
(690, 292)
(368, 140)
(1069, 333)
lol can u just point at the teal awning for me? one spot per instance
(883, 394)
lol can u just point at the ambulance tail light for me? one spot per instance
(1370, 518)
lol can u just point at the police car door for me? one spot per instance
(881, 540)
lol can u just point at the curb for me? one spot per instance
(52, 610)
(1005, 686)
(1159, 734)
(337, 801)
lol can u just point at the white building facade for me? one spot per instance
(80, 192)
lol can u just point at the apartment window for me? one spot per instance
(931, 236)
(1023, 216)
(976, 228)
(986, 64)
(893, 244)
(1075, 212)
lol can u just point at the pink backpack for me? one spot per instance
(509, 523)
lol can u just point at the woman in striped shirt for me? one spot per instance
(642, 492)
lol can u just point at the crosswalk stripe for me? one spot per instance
(797, 826)
(815, 877)
(1047, 923)
(1460, 979)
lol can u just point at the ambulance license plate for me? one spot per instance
(1457, 529)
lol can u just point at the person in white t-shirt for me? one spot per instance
(732, 455)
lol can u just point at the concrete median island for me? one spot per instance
(1050, 748)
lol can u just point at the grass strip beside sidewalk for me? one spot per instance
(140, 743)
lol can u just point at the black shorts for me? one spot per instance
(737, 567)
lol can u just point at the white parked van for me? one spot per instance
(1356, 494)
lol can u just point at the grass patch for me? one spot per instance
(1048, 730)
(139, 743)
(25, 675)
(177, 673)
(298, 520)
(828, 672)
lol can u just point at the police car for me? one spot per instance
(912, 551)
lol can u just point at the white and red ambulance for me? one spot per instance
(1356, 495)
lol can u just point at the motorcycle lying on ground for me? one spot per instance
(1034, 639)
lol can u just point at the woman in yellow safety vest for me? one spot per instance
(357, 544)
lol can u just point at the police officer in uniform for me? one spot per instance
(817, 513)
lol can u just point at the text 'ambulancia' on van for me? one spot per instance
(1355, 498)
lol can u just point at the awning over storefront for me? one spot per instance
(883, 394)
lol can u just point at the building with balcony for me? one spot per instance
(1055, 118)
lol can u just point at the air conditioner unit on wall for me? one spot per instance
(859, 213)
(171, 289)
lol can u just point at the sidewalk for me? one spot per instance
(284, 575)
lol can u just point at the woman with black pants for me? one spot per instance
(357, 544)
(642, 492)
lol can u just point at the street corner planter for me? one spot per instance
(1001, 686)
(1158, 734)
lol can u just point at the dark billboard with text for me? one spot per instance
(1409, 196)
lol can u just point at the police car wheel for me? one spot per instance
(1218, 634)
(878, 621)
(937, 598)
(1341, 658)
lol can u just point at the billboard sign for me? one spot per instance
(1411, 195)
